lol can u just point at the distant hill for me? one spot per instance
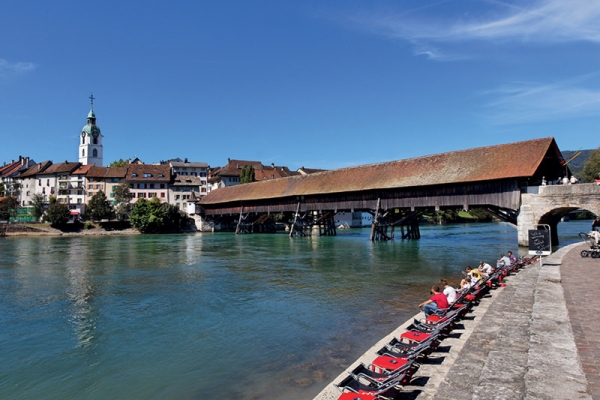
(576, 165)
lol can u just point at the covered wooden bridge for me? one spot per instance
(395, 192)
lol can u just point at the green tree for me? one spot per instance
(591, 168)
(8, 208)
(153, 216)
(99, 207)
(122, 197)
(247, 174)
(39, 205)
(58, 215)
(120, 163)
(147, 216)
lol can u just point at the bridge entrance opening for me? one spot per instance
(557, 215)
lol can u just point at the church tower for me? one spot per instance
(90, 142)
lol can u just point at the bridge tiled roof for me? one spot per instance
(513, 160)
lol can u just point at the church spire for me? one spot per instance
(91, 115)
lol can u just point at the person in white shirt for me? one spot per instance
(449, 291)
(484, 268)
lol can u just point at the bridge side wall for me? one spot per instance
(505, 194)
(555, 199)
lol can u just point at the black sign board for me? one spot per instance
(539, 242)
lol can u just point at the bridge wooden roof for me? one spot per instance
(513, 160)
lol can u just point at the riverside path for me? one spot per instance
(536, 338)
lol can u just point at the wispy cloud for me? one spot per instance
(524, 102)
(544, 21)
(9, 70)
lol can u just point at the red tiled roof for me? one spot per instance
(153, 170)
(96, 172)
(66, 167)
(83, 169)
(116, 172)
(35, 169)
(513, 160)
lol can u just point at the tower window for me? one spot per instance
(95, 152)
(83, 153)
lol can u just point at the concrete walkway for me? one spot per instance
(533, 339)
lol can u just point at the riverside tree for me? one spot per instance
(153, 216)
(591, 168)
(122, 198)
(99, 207)
(8, 208)
(58, 215)
(39, 205)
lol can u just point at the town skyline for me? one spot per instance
(314, 84)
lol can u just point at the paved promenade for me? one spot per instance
(536, 338)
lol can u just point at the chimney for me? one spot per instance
(185, 160)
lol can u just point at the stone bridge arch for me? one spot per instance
(551, 203)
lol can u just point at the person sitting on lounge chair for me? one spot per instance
(449, 291)
(474, 274)
(485, 269)
(511, 257)
(504, 260)
(436, 302)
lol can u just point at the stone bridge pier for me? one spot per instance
(548, 204)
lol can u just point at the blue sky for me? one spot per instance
(321, 84)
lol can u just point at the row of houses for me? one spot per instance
(177, 182)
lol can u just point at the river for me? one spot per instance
(213, 316)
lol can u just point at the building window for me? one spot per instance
(151, 185)
(162, 185)
(90, 186)
(147, 175)
(134, 175)
(97, 186)
(176, 197)
(151, 194)
(95, 153)
(162, 194)
(112, 195)
(161, 176)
